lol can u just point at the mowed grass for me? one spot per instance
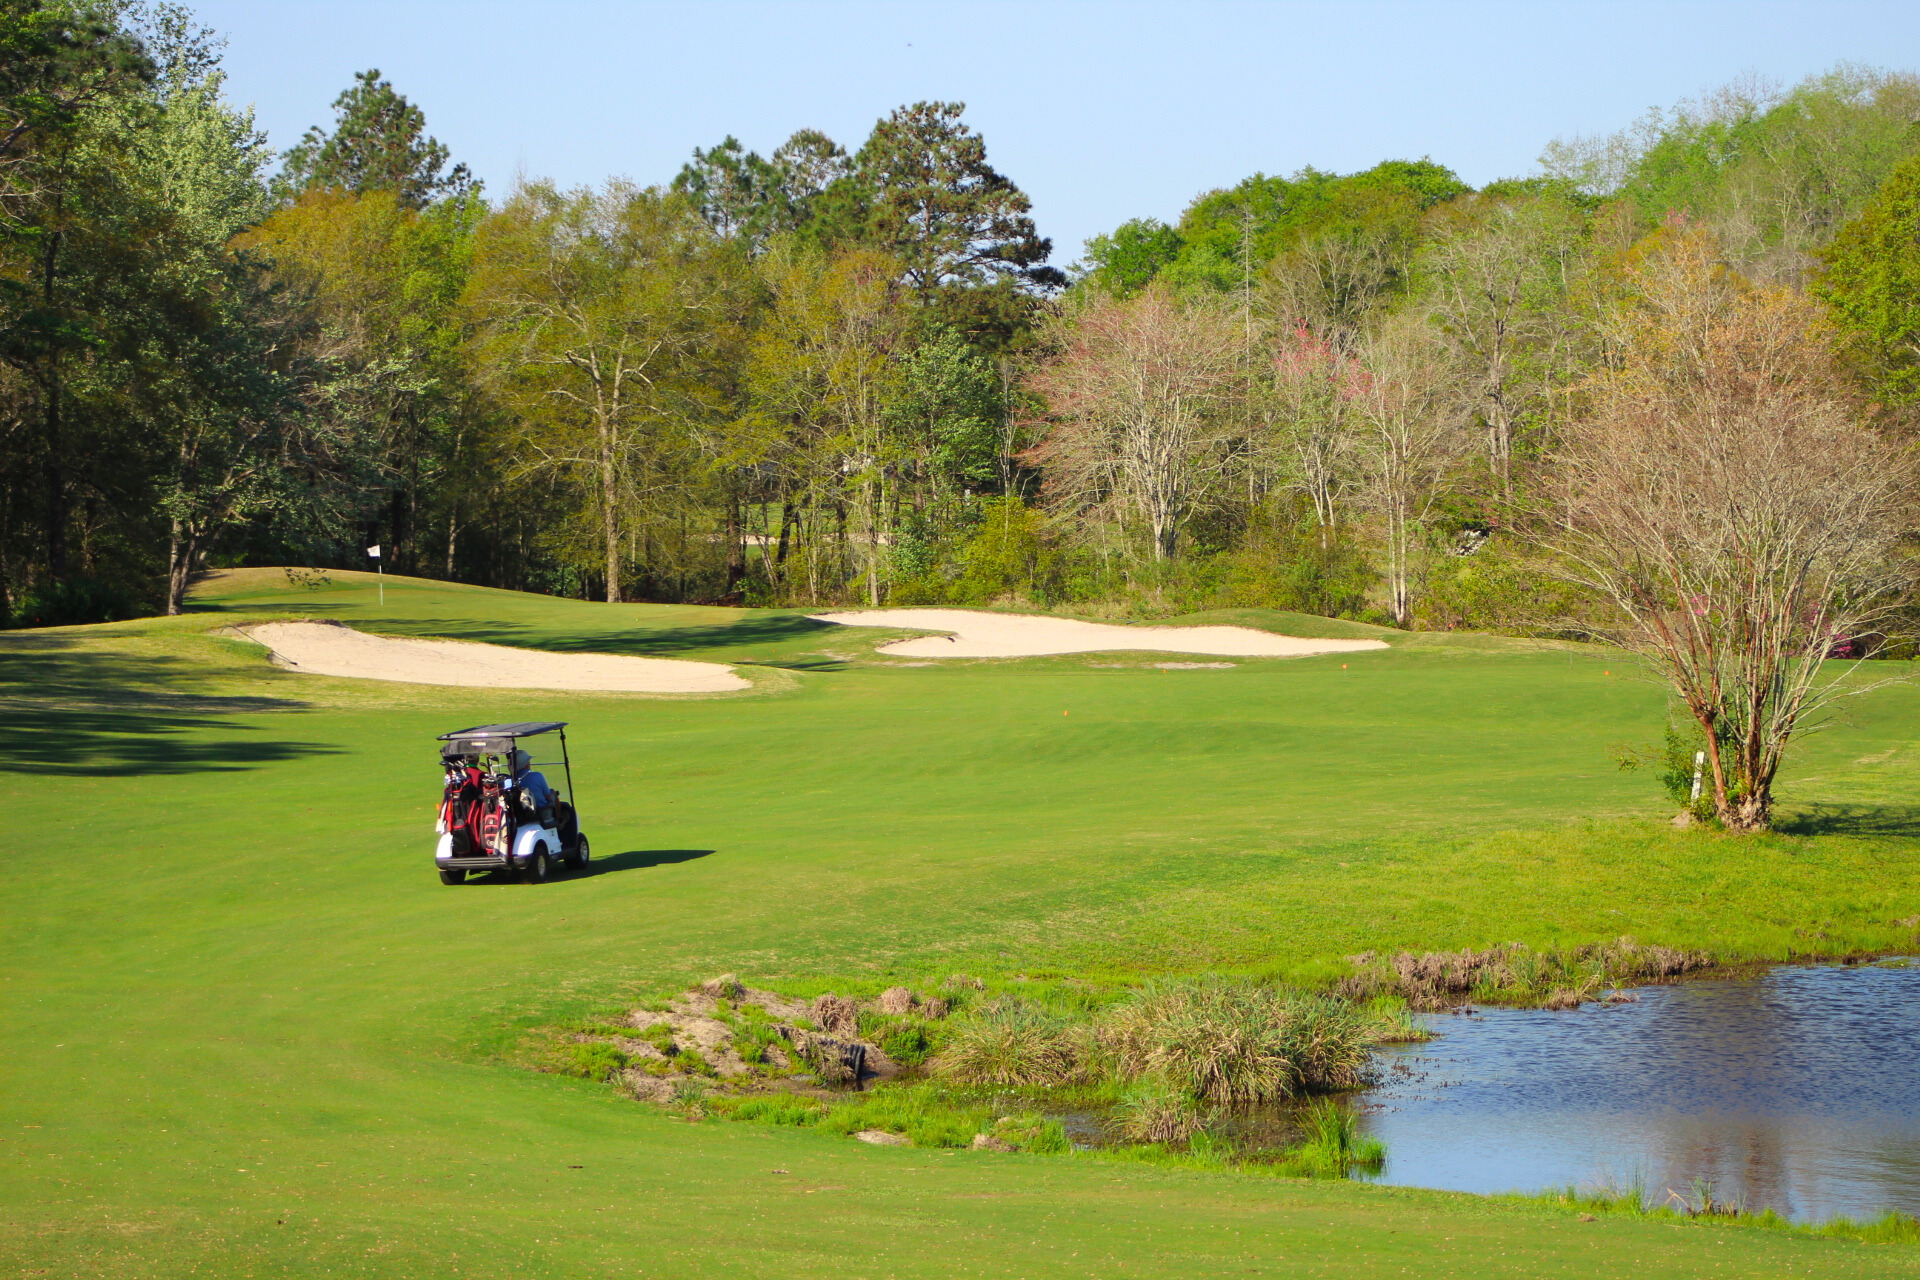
(249, 1033)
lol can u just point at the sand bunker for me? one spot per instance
(326, 649)
(1006, 635)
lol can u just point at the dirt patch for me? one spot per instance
(330, 649)
(1009, 635)
(738, 1037)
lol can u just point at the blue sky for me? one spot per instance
(1100, 111)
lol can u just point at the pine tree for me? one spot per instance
(379, 143)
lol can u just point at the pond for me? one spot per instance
(1797, 1090)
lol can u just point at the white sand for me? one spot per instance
(1007, 635)
(326, 649)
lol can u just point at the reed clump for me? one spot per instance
(1233, 1041)
(1010, 1044)
(1159, 1111)
(1515, 974)
(1392, 1022)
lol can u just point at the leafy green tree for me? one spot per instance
(1774, 173)
(951, 415)
(69, 246)
(56, 63)
(743, 196)
(1127, 261)
(1872, 281)
(383, 285)
(1228, 236)
(608, 322)
(824, 368)
(379, 142)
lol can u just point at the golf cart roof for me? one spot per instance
(477, 740)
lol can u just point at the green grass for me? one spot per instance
(249, 1033)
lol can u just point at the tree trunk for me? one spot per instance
(609, 517)
(53, 466)
(1397, 562)
(873, 544)
(182, 545)
(1165, 535)
(54, 478)
(736, 547)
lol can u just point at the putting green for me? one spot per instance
(249, 1033)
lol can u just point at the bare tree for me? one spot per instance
(1409, 440)
(1496, 278)
(1309, 440)
(1333, 283)
(1135, 399)
(1724, 502)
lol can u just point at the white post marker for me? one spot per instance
(374, 551)
(1699, 763)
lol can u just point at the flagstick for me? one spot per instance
(380, 567)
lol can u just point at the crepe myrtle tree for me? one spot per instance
(1737, 522)
(1136, 410)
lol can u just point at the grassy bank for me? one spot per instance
(251, 1033)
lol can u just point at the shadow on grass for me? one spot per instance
(632, 860)
(639, 859)
(1852, 820)
(102, 714)
(643, 642)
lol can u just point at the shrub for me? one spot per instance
(1159, 1111)
(1009, 1044)
(691, 1093)
(75, 602)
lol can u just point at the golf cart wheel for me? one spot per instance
(538, 869)
(453, 875)
(581, 855)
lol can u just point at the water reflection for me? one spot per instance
(1798, 1090)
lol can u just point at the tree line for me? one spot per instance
(833, 375)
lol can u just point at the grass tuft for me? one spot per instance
(1334, 1145)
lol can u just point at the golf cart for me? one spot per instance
(490, 820)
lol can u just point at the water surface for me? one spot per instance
(1798, 1089)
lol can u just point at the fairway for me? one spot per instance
(250, 1033)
